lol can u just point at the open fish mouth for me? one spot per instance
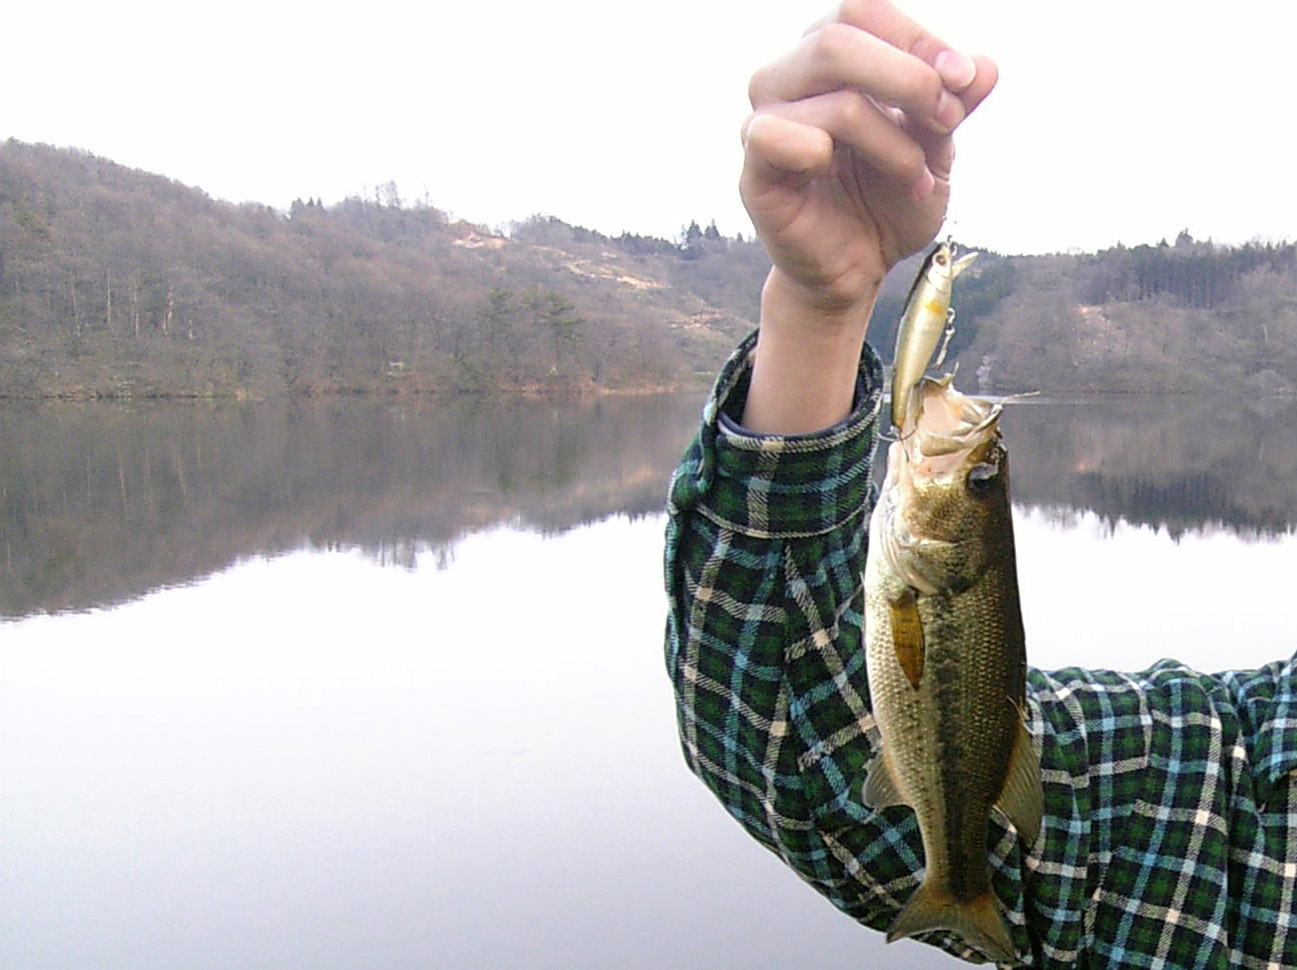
(945, 426)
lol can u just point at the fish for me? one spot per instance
(927, 316)
(946, 659)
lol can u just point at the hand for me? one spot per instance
(849, 148)
(846, 172)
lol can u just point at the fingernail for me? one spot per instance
(923, 188)
(957, 70)
(950, 111)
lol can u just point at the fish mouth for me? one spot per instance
(947, 434)
(946, 426)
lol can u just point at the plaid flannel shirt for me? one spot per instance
(1170, 829)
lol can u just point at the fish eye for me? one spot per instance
(982, 477)
(941, 259)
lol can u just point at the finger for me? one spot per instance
(987, 74)
(856, 122)
(776, 148)
(839, 55)
(883, 20)
(842, 56)
(939, 148)
(780, 159)
(972, 78)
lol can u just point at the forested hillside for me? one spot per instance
(118, 283)
(114, 282)
(1189, 317)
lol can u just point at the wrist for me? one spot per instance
(819, 307)
(817, 313)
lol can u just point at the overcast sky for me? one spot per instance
(1115, 120)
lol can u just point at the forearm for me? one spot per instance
(806, 360)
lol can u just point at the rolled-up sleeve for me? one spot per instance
(765, 547)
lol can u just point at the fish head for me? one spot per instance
(951, 485)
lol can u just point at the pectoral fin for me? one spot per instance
(1022, 800)
(907, 636)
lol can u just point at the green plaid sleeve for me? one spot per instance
(1170, 836)
(765, 543)
(1170, 830)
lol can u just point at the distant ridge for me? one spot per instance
(118, 283)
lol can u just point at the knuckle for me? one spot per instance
(858, 12)
(852, 108)
(922, 87)
(831, 44)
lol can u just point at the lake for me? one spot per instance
(377, 683)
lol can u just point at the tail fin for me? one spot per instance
(978, 921)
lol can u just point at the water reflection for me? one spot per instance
(309, 760)
(101, 504)
(1178, 463)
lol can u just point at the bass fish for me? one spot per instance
(946, 657)
(926, 318)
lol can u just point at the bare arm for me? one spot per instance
(846, 172)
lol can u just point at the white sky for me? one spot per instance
(1114, 119)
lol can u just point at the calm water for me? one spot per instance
(371, 685)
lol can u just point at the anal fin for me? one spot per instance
(880, 789)
(1022, 799)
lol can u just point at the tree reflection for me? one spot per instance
(1177, 463)
(102, 503)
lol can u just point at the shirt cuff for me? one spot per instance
(781, 486)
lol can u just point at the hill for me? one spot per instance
(119, 283)
(1191, 317)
